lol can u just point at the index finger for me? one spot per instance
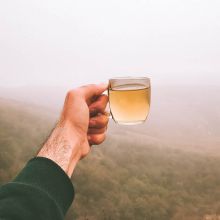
(99, 105)
(92, 90)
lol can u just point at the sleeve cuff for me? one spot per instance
(46, 175)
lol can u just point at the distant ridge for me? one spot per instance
(133, 170)
(184, 117)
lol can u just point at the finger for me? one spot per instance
(96, 139)
(89, 91)
(99, 121)
(99, 105)
(96, 130)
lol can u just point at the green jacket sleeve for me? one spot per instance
(41, 191)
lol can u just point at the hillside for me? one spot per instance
(183, 117)
(128, 177)
(23, 128)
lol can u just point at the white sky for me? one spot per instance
(51, 42)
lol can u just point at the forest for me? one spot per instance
(128, 177)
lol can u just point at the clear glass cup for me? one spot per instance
(129, 99)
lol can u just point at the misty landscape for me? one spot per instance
(165, 169)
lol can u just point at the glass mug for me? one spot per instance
(129, 99)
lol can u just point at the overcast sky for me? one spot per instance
(51, 42)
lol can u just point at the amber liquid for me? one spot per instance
(129, 104)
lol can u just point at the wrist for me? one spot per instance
(63, 147)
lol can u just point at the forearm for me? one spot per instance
(40, 191)
(61, 147)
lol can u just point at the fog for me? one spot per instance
(67, 42)
(166, 168)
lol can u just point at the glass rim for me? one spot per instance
(130, 78)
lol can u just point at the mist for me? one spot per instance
(164, 169)
(59, 43)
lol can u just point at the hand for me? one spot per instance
(83, 122)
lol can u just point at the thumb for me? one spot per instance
(89, 91)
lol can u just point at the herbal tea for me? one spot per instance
(129, 104)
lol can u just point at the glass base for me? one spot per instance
(129, 122)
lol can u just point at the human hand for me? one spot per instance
(84, 110)
(83, 122)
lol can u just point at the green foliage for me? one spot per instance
(22, 130)
(122, 179)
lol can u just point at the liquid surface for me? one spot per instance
(129, 104)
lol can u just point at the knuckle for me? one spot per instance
(70, 93)
(95, 139)
(102, 121)
(102, 101)
(105, 98)
(102, 130)
(92, 85)
(103, 137)
(106, 119)
(98, 139)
